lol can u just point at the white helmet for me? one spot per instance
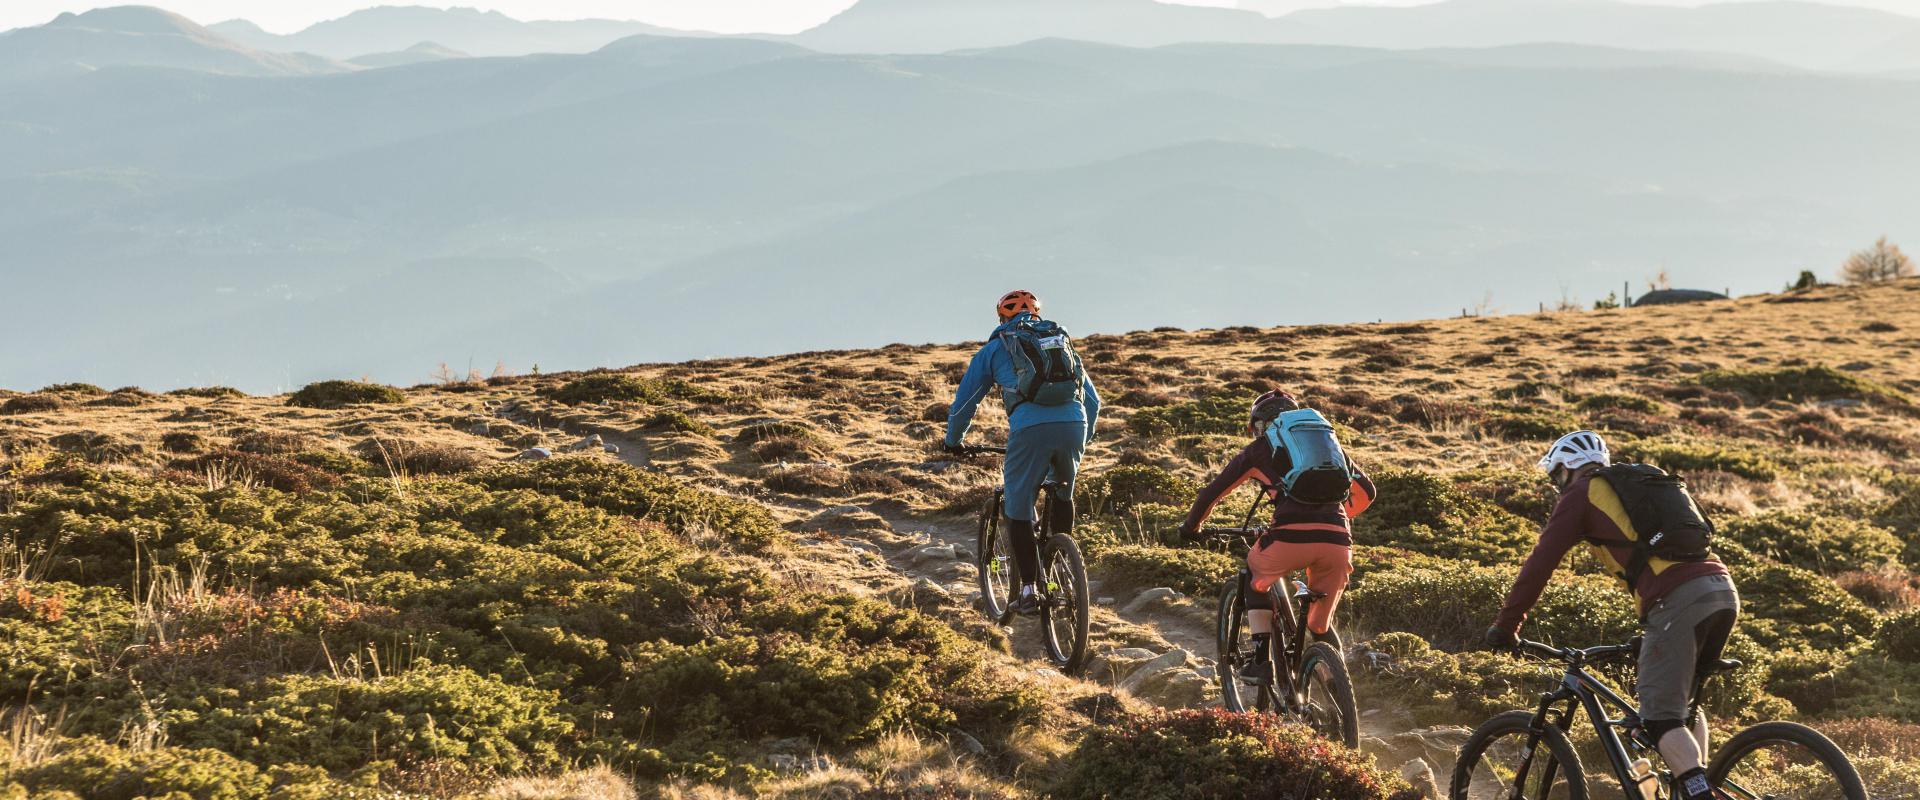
(1576, 450)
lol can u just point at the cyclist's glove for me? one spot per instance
(1192, 535)
(955, 449)
(1501, 639)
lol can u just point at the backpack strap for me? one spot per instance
(1016, 348)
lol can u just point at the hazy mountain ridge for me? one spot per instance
(137, 36)
(386, 29)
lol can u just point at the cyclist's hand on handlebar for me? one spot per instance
(954, 449)
(1192, 535)
(1501, 640)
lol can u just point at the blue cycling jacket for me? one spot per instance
(993, 367)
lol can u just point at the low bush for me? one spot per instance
(1785, 606)
(832, 669)
(223, 467)
(1620, 402)
(1800, 383)
(74, 390)
(33, 404)
(1824, 542)
(1524, 493)
(623, 489)
(340, 394)
(182, 442)
(1835, 684)
(91, 768)
(1899, 636)
(1122, 488)
(615, 387)
(1701, 455)
(1442, 688)
(1190, 755)
(777, 429)
(1217, 412)
(1427, 513)
(1191, 571)
(1452, 607)
(789, 448)
(208, 392)
(1888, 588)
(410, 457)
(1530, 425)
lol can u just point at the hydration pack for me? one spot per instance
(1046, 370)
(1320, 472)
(1670, 526)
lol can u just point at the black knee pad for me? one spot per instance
(1657, 728)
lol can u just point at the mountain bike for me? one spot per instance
(1527, 755)
(1310, 682)
(1063, 575)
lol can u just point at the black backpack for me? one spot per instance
(1670, 525)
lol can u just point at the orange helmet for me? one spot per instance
(1018, 301)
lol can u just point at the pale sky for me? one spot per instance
(727, 16)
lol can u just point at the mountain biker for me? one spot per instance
(1042, 439)
(1688, 608)
(1315, 537)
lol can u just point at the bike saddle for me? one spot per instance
(1300, 590)
(1724, 665)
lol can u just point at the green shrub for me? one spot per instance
(1191, 571)
(1525, 425)
(1524, 493)
(429, 712)
(1441, 688)
(769, 430)
(625, 490)
(614, 387)
(1800, 383)
(1452, 607)
(1620, 402)
(340, 394)
(680, 422)
(833, 669)
(1426, 513)
(1221, 412)
(208, 392)
(91, 768)
(1190, 755)
(32, 404)
(1122, 488)
(1899, 636)
(1685, 455)
(1784, 606)
(75, 389)
(1825, 542)
(1836, 684)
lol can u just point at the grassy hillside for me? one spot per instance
(356, 591)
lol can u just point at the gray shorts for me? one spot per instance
(1685, 630)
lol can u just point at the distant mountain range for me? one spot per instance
(186, 209)
(134, 36)
(387, 29)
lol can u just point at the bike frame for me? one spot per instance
(1043, 513)
(1582, 689)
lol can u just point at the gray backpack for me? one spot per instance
(1046, 369)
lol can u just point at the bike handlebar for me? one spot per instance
(979, 450)
(1231, 533)
(1575, 656)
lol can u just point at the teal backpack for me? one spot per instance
(1046, 369)
(1320, 472)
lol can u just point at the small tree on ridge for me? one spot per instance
(1881, 262)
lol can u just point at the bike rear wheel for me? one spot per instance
(1507, 750)
(1064, 619)
(1784, 761)
(1328, 694)
(993, 560)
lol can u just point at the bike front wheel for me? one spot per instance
(1327, 695)
(1064, 618)
(1784, 760)
(1507, 758)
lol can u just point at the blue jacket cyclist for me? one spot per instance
(1042, 441)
